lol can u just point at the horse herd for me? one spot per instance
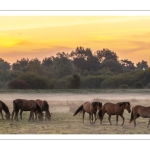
(36, 107)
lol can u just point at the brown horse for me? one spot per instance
(138, 111)
(4, 107)
(26, 105)
(90, 108)
(45, 107)
(114, 109)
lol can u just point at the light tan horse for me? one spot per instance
(114, 109)
(90, 108)
(138, 111)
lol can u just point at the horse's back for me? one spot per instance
(87, 107)
(143, 111)
(110, 108)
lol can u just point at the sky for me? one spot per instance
(44, 36)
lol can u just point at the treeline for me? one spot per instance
(79, 69)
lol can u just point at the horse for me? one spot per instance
(138, 111)
(90, 108)
(26, 105)
(114, 109)
(45, 107)
(4, 107)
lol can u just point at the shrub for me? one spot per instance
(18, 84)
(123, 86)
(138, 85)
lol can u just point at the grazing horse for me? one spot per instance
(90, 108)
(45, 107)
(26, 105)
(138, 111)
(114, 109)
(4, 107)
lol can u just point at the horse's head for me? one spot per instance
(7, 116)
(40, 116)
(128, 107)
(48, 116)
(97, 105)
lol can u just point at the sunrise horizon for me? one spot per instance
(44, 36)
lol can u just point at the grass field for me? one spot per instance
(63, 104)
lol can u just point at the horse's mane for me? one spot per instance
(46, 105)
(5, 108)
(121, 103)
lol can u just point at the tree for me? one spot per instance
(84, 59)
(20, 64)
(75, 81)
(35, 66)
(106, 54)
(47, 62)
(142, 65)
(129, 65)
(4, 65)
(62, 65)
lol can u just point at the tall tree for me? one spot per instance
(127, 64)
(4, 65)
(106, 54)
(142, 65)
(62, 65)
(20, 64)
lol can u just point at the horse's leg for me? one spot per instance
(95, 117)
(35, 115)
(122, 118)
(116, 120)
(109, 117)
(16, 115)
(148, 123)
(21, 114)
(12, 115)
(2, 115)
(83, 115)
(30, 116)
(103, 113)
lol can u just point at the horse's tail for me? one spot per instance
(100, 114)
(131, 119)
(78, 110)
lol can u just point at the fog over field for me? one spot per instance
(73, 97)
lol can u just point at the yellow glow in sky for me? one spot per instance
(44, 36)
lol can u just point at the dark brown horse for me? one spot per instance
(138, 111)
(45, 107)
(114, 109)
(26, 105)
(4, 107)
(90, 108)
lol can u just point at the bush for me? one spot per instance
(123, 86)
(36, 81)
(138, 85)
(18, 84)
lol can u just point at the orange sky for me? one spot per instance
(44, 36)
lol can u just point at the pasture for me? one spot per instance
(64, 103)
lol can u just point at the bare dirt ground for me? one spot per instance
(64, 105)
